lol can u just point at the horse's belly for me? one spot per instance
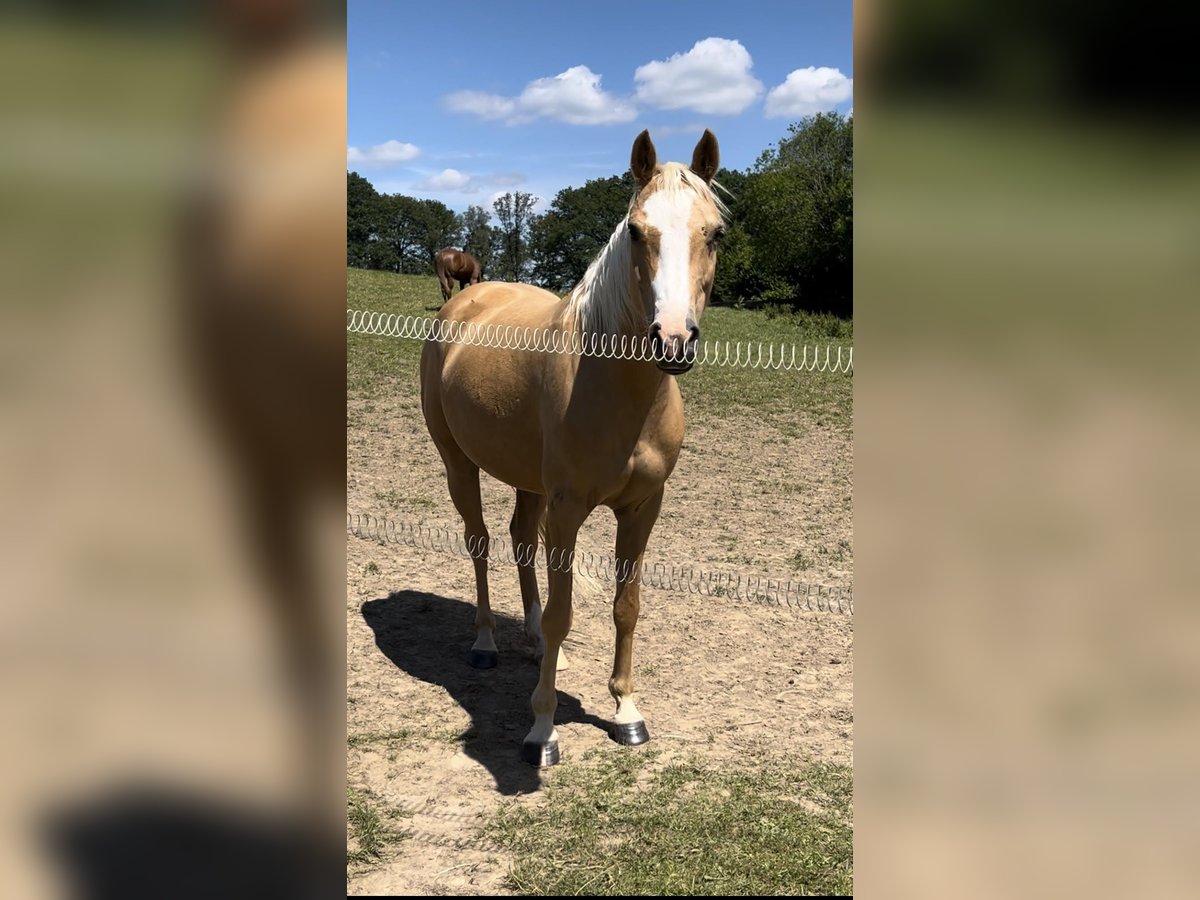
(493, 412)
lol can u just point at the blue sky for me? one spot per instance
(464, 101)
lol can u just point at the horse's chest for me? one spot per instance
(651, 459)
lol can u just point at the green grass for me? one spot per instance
(374, 363)
(710, 393)
(802, 562)
(367, 828)
(612, 826)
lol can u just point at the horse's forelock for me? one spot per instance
(677, 177)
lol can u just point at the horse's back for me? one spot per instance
(502, 304)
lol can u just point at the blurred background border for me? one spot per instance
(1025, 293)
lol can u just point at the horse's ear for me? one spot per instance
(706, 158)
(644, 159)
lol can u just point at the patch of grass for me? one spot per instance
(365, 738)
(374, 364)
(842, 551)
(451, 735)
(613, 827)
(712, 392)
(371, 568)
(367, 830)
(391, 498)
(801, 562)
(394, 499)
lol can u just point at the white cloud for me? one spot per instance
(713, 77)
(389, 153)
(486, 106)
(448, 180)
(573, 96)
(808, 91)
(466, 183)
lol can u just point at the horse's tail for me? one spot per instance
(584, 580)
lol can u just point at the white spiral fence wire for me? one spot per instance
(687, 579)
(733, 354)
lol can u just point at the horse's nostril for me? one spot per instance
(693, 331)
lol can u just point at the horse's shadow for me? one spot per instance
(429, 637)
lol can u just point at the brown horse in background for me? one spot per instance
(455, 265)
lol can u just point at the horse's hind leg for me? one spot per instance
(633, 530)
(447, 287)
(524, 531)
(462, 477)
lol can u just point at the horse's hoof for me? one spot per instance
(484, 659)
(540, 754)
(630, 734)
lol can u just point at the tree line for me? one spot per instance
(789, 241)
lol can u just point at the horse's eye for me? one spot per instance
(715, 236)
(635, 232)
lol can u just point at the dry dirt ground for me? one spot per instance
(728, 681)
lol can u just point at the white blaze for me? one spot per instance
(668, 212)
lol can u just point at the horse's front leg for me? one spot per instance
(633, 531)
(563, 518)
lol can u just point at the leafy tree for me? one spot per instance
(437, 226)
(476, 230)
(514, 210)
(362, 219)
(738, 281)
(398, 230)
(381, 255)
(415, 230)
(565, 239)
(799, 216)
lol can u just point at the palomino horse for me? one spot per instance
(573, 432)
(455, 265)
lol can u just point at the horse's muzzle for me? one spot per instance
(674, 353)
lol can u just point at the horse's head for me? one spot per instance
(674, 225)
